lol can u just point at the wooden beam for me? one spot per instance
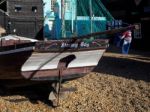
(108, 32)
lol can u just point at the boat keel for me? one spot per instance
(54, 95)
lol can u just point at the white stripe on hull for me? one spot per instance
(44, 61)
(16, 50)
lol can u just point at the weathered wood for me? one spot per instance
(22, 16)
(13, 55)
(26, 8)
(19, 61)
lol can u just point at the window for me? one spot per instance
(52, 4)
(34, 9)
(18, 8)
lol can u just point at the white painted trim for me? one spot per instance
(16, 50)
(49, 61)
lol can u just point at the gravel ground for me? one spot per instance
(120, 83)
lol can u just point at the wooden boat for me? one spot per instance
(39, 60)
(73, 61)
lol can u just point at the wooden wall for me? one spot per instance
(28, 27)
(24, 20)
(26, 6)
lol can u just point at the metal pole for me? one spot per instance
(63, 18)
(76, 27)
(91, 14)
(72, 20)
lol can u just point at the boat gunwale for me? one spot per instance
(104, 45)
(16, 46)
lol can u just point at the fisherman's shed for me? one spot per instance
(24, 17)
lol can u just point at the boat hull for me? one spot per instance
(11, 69)
(46, 68)
(20, 62)
(12, 58)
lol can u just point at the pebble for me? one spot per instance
(99, 91)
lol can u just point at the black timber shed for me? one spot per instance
(23, 17)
